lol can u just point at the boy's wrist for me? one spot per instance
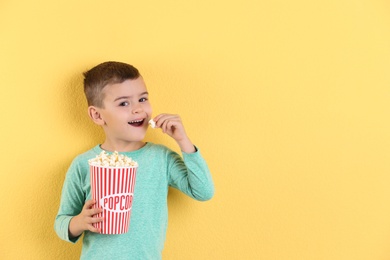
(186, 146)
(74, 230)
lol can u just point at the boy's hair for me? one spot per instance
(110, 72)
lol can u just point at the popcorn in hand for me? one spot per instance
(112, 160)
(152, 123)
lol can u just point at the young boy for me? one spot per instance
(118, 102)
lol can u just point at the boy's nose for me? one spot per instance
(136, 108)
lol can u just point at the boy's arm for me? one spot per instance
(72, 198)
(186, 146)
(191, 176)
(73, 215)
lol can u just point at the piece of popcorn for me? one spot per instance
(152, 123)
(112, 160)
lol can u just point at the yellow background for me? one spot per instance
(288, 101)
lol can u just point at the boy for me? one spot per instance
(118, 102)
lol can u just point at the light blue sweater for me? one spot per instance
(159, 167)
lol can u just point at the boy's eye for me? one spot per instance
(124, 103)
(143, 99)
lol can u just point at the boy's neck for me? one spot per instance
(123, 147)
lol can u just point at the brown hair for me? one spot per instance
(110, 72)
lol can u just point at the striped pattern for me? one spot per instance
(113, 189)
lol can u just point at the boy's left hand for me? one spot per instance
(173, 126)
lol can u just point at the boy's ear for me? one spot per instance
(95, 115)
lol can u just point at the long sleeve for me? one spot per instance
(191, 175)
(72, 200)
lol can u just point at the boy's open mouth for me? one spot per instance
(136, 122)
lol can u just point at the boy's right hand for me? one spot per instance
(85, 219)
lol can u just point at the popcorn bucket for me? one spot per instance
(112, 188)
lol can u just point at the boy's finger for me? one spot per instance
(95, 220)
(164, 117)
(88, 204)
(94, 211)
(156, 118)
(93, 229)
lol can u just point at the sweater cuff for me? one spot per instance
(63, 229)
(196, 151)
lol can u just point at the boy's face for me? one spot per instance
(126, 111)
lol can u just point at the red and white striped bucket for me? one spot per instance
(113, 189)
